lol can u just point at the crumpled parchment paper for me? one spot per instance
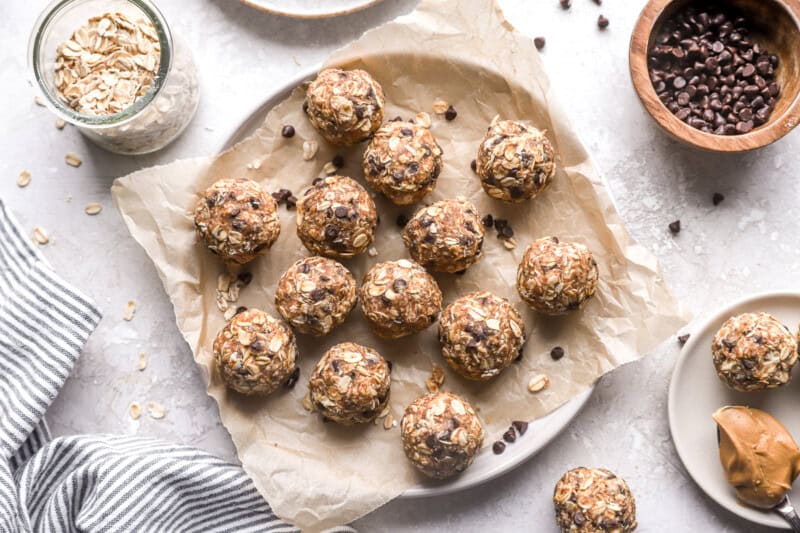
(316, 474)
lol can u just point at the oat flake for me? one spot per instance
(130, 310)
(24, 179)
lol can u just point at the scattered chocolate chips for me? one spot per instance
(602, 22)
(292, 381)
(240, 309)
(451, 113)
(718, 198)
(565, 4)
(245, 278)
(291, 202)
(498, 447)
(598, 2)
(707, 69)
(509, 436)
(473, 165)
(282, 195)
(683, 338)
(675, 227)
(539, 42)
(557, 353)
(487, 221)
(402, 220)
(287, 131)
(504, 229)
(520, 425)
(338, 161)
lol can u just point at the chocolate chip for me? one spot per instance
(451, 113)
(675, 227)
(287, 131)
(245, 278)
(557, 353)
(565, 4)
(331, 232)
(340, 211)
(240, 309)
(510, 436)
(402, 220)
(539, 42)
(399, 285)
(338, 161)
(487, 221)
(257, 345)
(683, 338)
(602, 22)
(717, 198)
(318, 294)
(499, 446)
(473, 165)
(291, 202)
(292, 381)
(521, 426)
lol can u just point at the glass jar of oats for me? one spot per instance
(114, 70)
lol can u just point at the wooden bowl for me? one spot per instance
(775, 26)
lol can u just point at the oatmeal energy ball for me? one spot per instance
(237, 220)
(591, 500)
(315, 295)
(350, 384)
(441, 434)
(754, 351)
(403, 161)
(481, 334)
(515, 161)
(255, 353)
(399, 298)
(556, 277)
(345, 106)
(336, 218)
(446, 236)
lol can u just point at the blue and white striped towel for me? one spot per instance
(92, 483)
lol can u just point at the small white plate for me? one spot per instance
(696, 392)
(310, 9)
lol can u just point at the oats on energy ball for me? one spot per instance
(315, 295)
(237, 220)
(336, 218)
(481, 334)
(591, 500)
(441, 434)
(345, 106)
(403, 161)
(515, 161)
(754, 351)
(399, 298)
(350, 384)
(446, 236)
(556, 277)
(255, 353)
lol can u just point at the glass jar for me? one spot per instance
(156, 117)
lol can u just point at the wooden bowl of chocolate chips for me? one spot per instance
(722, 75)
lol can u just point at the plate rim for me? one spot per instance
(560, 418)
(255, 4)
(721, 313)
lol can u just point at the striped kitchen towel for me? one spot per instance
(92, 483)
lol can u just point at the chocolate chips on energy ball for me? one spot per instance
(708, 70)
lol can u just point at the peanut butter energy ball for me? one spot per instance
(345, 106)
(403, 161)
(399, 298)
(556, 277)
(481, 334)
(592, 500)
(515, 161)
(237, 220)
(336, 218)
(350, 384)
(255, 353)
(446, 236)
(441, 434)
(754, 351)
(315, 295)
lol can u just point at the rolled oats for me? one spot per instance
(156, 410)
(73, 160)
(441, 434)
(440, 107)
(315, 295)
(23, 179)
(434, 383)
(40, 235)
(588, 500)
(555, 278)
(93, 209)
(60, 124)
(350, 384)
(423, 119)
(310, 150)
(135, 410)
(480, 334)
(388, 422)
(754, 351)
(538, 383)
(142, 363)
(255, 353)
(130, 310)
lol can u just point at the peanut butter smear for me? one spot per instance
(758, 454)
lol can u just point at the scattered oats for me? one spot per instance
(38, 101)
(310, 150)
(73, 160)
(93, 209)
(24, 179)
(228, 288)
(229, 313)
(130, 310)
(40, 235)
(509, 243)
(60, 124)
(135, 410)
(307, 404)
(329, 168)
(142, 364)
(384, 413)
(436, 380)
(388, 422)
(440, 106)
(538, 382)
(494, 121)
(156, 410)
(372, 251)
(423, 119)
(255, 165)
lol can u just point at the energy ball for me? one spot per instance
(255, 353)
(336, 218)
(446, 236)
(237, 220)
(754, 351)
(350, 384)
(515, 161)
(591, 500)
(403, 161)
(441, 434)
(345, 106)
(315, 295)
(399, 298)
(481, 334)
(556, 277)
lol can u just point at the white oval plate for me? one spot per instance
(487, 465)
(310, 9)
(695, 392)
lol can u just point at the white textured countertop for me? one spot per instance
(748, 243)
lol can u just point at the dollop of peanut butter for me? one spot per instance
(758, 454)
